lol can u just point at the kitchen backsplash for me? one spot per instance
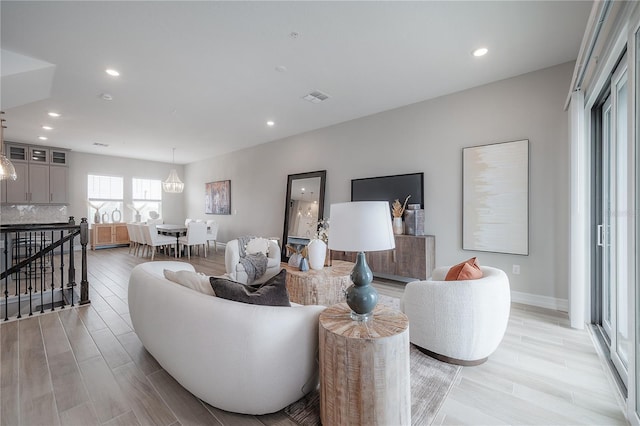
(18, 214)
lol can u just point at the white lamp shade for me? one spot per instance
(361, 226)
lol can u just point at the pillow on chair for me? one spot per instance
(257, 245)
(193, 280)
(467, 270)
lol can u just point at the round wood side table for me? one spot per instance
(319, 287)
(364, 368)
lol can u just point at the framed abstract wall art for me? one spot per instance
(217, 197)
(495, 200)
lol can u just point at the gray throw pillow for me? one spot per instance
(273, 292)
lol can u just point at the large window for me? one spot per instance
(105, 195)
(147, 198)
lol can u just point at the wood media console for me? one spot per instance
(414, 258)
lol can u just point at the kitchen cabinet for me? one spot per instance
(43, 175)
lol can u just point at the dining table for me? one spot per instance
(169, 229)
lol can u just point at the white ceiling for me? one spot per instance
(201, 76)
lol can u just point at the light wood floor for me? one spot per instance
(86, 366)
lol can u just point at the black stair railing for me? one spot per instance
(37, 272)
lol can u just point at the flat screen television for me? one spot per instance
(389, 188)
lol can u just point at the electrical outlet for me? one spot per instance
(516, 269)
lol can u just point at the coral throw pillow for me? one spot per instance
(467, 270)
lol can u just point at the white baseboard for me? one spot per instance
(540, 301)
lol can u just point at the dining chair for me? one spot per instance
(141, 245)
(212, 233)
(132, 238)
(156, 240)
(196, 236)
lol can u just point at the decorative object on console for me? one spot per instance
(397, 210)
(7, 171)
(359, 227)
(414, 220)
(495, 198)
(217, 199)
(96, 215)
(137, 218)
(173, 183)
(116, 216)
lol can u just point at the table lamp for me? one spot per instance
(360, 227)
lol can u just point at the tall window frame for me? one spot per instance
(146, 195)
(105, 198)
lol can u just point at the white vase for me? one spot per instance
(317, 250)
(398, 227)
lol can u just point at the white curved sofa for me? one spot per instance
(243, 358)
(461, 322)
(235, 270)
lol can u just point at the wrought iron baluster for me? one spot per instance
(18, 274)
(6, 278)
(84, 240)
(61, 270)
(72, 268)
(53, 269)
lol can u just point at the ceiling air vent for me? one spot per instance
(316, 97)
(100, 144)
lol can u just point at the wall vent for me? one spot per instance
(100, 144)
(316, 97)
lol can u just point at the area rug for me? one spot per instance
(431, 381)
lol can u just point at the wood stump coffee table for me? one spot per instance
(364, 368)
(319, 287)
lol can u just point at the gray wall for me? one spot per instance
(424, 137)
(84, 164)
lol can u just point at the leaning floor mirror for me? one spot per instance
(303, 209)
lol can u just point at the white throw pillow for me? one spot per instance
(257, 245)
(193, 280)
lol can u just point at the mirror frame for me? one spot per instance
(322, 174)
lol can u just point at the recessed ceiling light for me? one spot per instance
(112, 72)
(281, 68)
(47, 127)
(270, 123)
(54, 114)
(43, 138)
(106, 97)
(480, 52)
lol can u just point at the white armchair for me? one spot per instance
(460, 322)
(235, 270)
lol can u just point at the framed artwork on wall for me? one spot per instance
(495, 198)
(217, 197)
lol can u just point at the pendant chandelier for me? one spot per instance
(173, 183)
(7, 171)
